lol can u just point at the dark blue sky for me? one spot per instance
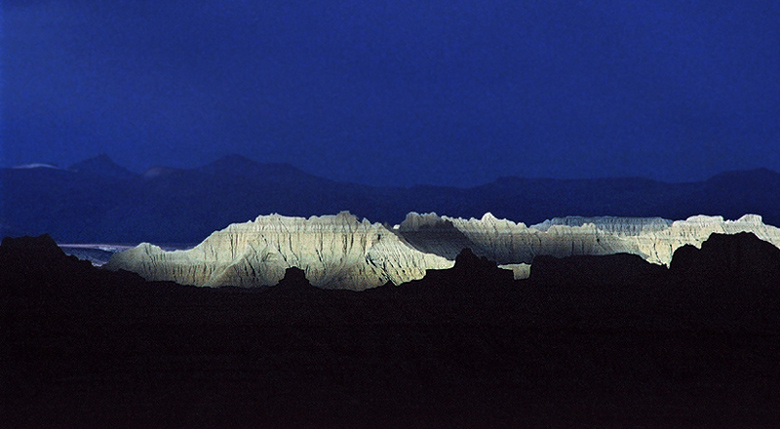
(397, 92)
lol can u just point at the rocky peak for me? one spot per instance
(468, 262)
(42, 247)
(415, 221)
(294, 280)
(727, 256)
(235, 165)
(102, 166)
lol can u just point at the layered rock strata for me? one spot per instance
(334, 251)
(507, 242)
(342, 252)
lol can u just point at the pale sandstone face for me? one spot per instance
(506, 242)
(342, 252)
(334, 251)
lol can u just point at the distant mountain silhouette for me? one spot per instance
(158, 172)
(102, 166)
(98, 200)
(240, 166)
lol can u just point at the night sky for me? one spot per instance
(397, 92)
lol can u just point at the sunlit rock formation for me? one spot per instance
(509, 243)
(344, 253)
(334, 251)
(658, 247)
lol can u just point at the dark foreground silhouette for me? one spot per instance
(584, 342)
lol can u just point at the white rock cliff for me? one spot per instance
(335, 252)
(342, 252)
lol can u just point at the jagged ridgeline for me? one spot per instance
(334, 251)
(343, 252)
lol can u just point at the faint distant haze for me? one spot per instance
(449, 92)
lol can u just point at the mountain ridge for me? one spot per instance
(103, 166)
(342, 252)
(185, 205)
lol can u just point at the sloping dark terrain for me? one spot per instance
(584, 342)
(97, 200)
